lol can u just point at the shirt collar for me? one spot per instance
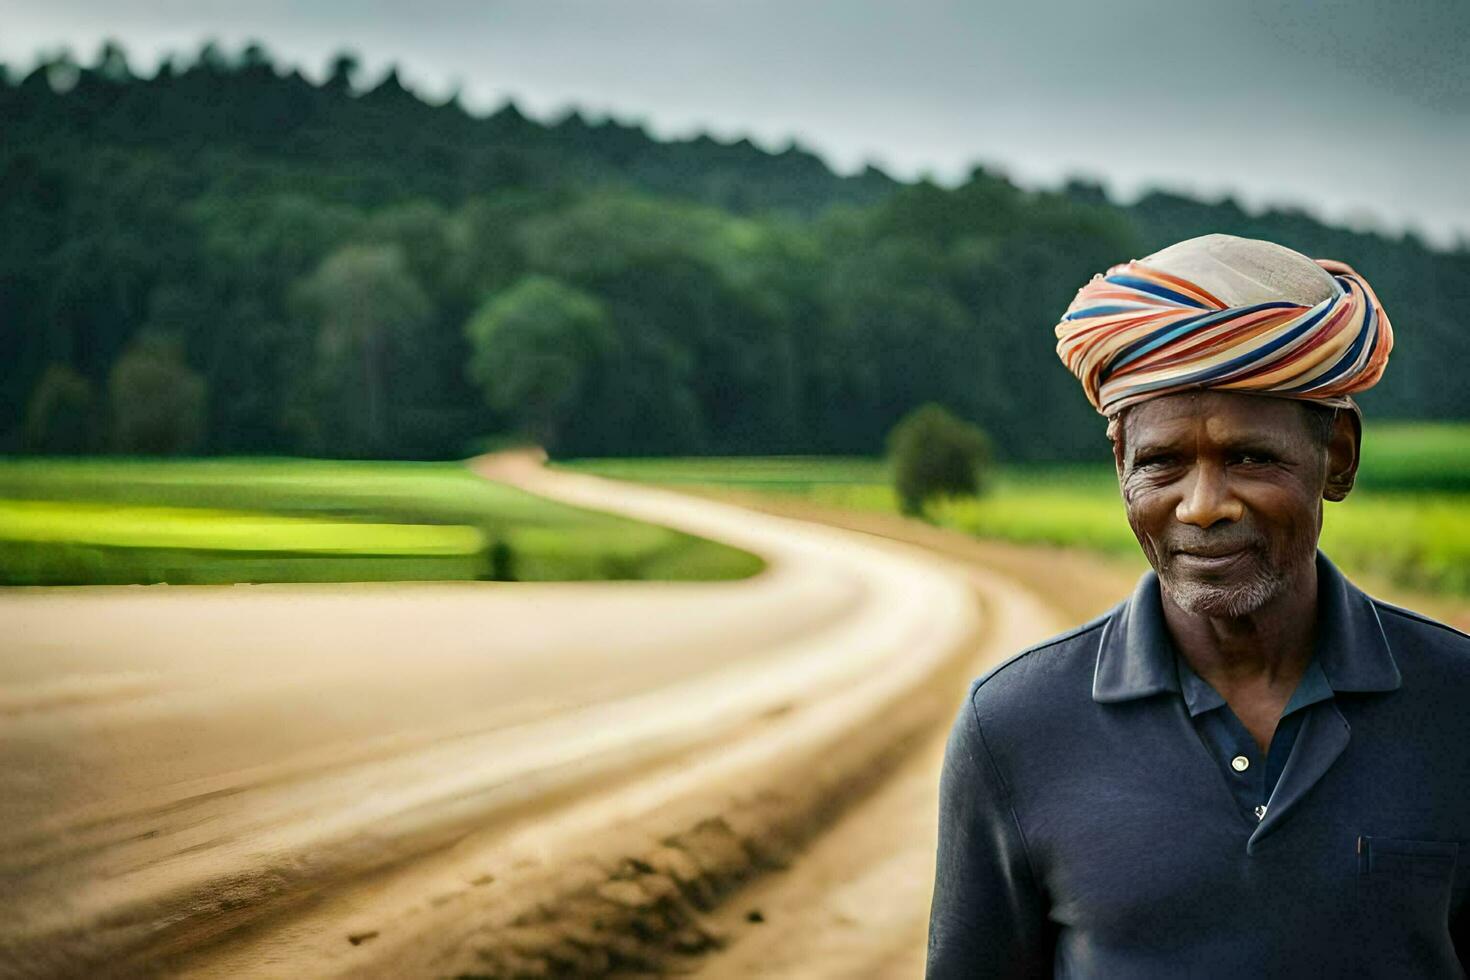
(1135, 656)
(1200, 696)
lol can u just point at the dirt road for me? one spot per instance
(274, 774)
(855, 905)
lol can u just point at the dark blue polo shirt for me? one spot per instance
(1089, 826)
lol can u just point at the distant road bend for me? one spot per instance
(315, 779)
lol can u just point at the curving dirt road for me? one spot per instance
(856, 903)
(283, 779)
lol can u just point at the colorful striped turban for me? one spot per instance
(1138, 331)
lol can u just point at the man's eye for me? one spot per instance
(1152, 462)
(1254, 458)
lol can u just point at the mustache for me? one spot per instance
(1208, 542)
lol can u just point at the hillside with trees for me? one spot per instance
(226, 257)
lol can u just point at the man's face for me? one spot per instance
(1224, 493)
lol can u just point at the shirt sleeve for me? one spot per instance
(988, 918)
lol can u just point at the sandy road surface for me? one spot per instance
(856, 904)
(181, 764)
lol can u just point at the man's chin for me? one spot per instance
(1225, 596)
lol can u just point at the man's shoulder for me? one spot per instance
(1045, 676)
(1425, 632)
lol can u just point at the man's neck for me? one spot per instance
(1270, 646)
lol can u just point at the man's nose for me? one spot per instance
(1208, 499)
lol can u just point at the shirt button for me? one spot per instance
(1240, 763)
(1260, 811)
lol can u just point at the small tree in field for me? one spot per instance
(935, 454)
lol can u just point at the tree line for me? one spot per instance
(226, 257)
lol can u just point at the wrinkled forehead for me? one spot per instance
(1227, 418)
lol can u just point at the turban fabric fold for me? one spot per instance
(1137, 332)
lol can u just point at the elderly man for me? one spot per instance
(1249, 768)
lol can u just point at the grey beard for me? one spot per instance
(1203, 599)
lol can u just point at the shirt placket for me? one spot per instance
(1250, 773)
(1245, 764)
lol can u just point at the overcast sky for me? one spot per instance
(1358, 110)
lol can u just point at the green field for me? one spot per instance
(1408, 522)
(75, 521)
(117, 521)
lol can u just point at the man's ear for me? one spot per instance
(1342, 454)
(1115, 439)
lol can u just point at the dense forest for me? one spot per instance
(226, 257)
